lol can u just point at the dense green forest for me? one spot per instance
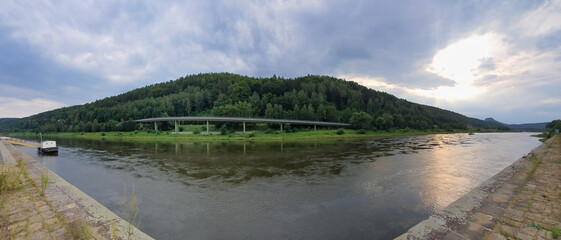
(552, 127)
(318, 98)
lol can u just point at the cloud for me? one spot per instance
(544, 20)
(461, 60)
(452, 54)
(17, 108)
(551, 101)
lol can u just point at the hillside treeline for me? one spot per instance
(318, 98)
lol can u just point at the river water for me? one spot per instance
(372, 188)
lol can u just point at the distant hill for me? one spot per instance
(528, 127)
(6, 121)
(319, 98)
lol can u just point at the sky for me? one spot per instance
(495, 58)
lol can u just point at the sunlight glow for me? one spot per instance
(458, 92)
(460, 61)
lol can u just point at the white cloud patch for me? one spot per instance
(544, 20)
(379, 83)
(15, 107)
(551, 101)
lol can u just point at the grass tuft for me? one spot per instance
(537, 226)
(9, 179)
(555, 233)
(114, 231)
(130, 209)
(44, 181)
(536, 163)
(78, 230)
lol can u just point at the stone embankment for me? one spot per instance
(60, 211)
(523, 201)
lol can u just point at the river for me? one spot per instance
(373, 188)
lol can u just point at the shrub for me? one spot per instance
(287, 128)
(196, 132)
(251, 135)
(361, 131)
(340, 131)
(269, 131)
(223, 130)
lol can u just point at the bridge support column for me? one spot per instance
(244, 128)
(315, 128)
(176, 127)
(207, 132)
(155, 126)
(281, 127)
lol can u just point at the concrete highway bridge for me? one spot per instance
(176, 120)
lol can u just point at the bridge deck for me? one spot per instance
(239, 119)
(242, 120)
(22, 142)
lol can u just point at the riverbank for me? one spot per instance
(38, 204)
(523, 201)
(238, 136)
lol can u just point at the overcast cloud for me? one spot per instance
(479, 58)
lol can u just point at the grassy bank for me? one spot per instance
(319, 134)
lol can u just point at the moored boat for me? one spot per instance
(48, 147)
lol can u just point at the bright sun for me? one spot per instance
(460, 62)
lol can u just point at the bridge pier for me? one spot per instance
(155, 126)
(207, 132)
(176, 127)
(244, 127)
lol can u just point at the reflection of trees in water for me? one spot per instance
(235, 162)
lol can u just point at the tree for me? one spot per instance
(240, 92)
(95, 126)
(380, 122)
(240, 109)
(388, 121)
(552, 127)
(360, 120)
(503, 128)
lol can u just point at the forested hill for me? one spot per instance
(319, 98)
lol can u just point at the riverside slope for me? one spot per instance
(523, 201)
(64, 200)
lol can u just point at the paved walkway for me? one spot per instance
(25, 214)
(523, 201)
(5, 157)
(62, 212)
(535, 211)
